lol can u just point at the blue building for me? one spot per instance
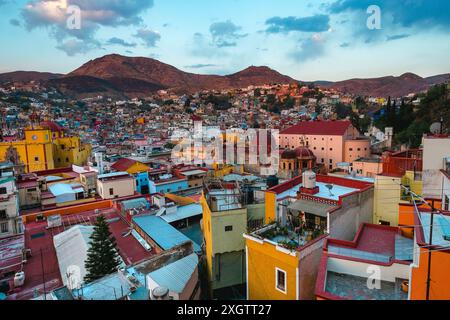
(142, 182)
(168, 185)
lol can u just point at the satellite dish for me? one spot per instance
(330, 187)
(436, 128)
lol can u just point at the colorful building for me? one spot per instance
(45, 147)
(226, 217)
(376, 265)
(332, 142)
(115, 185)
(400, 170)
(282, 257)
(416, 222)
(10, 222)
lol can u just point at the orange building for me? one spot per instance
(439, 250)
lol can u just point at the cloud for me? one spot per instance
(225, 34)
(409, 14)
(120, 42)
(201, 45)
(200, 66)
(310, 49)
(317, 23)
(149, 37)
(73, 47)
(14, 22)
(54, 15)
(397, 37)
(345, 45)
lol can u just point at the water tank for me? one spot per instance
(160, 293)
(272, 181)
(309, 179)
(19, 279)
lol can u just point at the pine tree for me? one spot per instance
(102, 257)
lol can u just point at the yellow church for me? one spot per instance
(45, 147)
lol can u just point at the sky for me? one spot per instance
(305, 39)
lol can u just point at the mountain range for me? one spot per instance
(120, 76)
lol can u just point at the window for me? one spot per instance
(280, 280)
(36, 159)
(4, 227)
(3, 215)
(351, 149)
(331, 160)
(63, 147)
(111, 191)
(228, 228)
(3, 190)
(385, 223)
(31, 190)
(331, 149)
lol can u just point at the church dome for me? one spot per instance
(303, 153)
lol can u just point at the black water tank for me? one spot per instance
(272, 181)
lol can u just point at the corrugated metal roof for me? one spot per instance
(166, 236)
(184, 212)
(61, 188)
(176, 275)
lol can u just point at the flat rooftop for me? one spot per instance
(375, 243)
(355, 288)
(441, 228)
(324, 192)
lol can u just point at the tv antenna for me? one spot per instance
(330, 187)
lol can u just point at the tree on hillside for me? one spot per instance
(102, 257)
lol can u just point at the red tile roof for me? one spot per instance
(123, 164)
(322, 128)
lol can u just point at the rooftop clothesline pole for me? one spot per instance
(430, 244)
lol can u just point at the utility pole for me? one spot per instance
(43, 275)
(430, 243)
(430, 250)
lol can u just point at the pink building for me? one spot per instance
(332, 142)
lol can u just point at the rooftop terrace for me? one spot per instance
(355, 288)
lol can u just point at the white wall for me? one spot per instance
(359, 269)
(434, 152)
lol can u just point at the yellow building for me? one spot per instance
(44, 148)
(283, 257)
(389, 194)
(223, 223)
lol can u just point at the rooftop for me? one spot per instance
(38, 237)
(355, 288)
(441, 229)
(176, 275)
(113, 175)
(334, 194)
(322, 128)
(374, 243)
(166, 236)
